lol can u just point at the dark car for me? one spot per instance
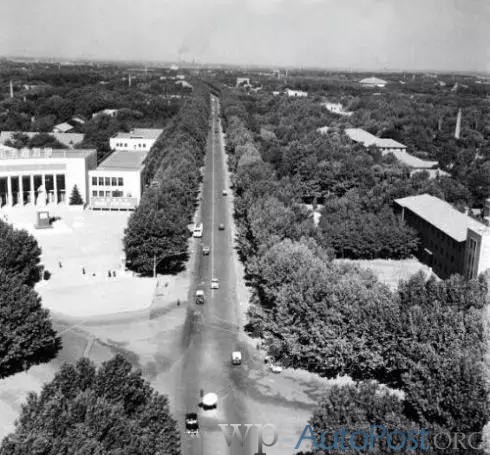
(191, 424)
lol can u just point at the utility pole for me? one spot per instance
(11, 89)
(457, 131)
(129, 80)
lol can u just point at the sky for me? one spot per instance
(443, 35)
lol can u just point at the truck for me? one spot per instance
(199, 296)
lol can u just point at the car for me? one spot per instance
(205, 250)
(221, 227)
(215, 283)
(236, 358)
(199, 296)
(191, 424)
(197, 232)
(224, 192)
(276, 368)
(209, 401)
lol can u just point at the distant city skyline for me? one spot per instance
(362, 35)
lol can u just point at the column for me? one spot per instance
(45, 193)
(9, 191)
(55, 186)
(32, 191)
(21, 191)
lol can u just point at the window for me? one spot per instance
(114, 181)
(108, 194)
(107, 181)
(101, 194)
(125, 145)
(94, 181)
(120, 181)
(117, 193)
(94, 193)
(101, 181)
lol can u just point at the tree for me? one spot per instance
(75, 197)
(19, 254)
(84, 410)
(27, 337)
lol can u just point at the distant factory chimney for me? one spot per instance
(129, 80)
(11, 89)
(457, 131)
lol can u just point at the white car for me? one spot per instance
(276, 368)
(224, 192)
(215, 283)
(236, 358)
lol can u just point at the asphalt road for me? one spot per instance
(212, 330)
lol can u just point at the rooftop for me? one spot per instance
(372, 80)
(68, 139)
(360, 135)
(63, 127)
(140, 133)
(441, 215)
(123, 161)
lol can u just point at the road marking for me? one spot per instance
(212, 191)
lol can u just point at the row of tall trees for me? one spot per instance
(426, 338)
(27, 336)
(157, 233)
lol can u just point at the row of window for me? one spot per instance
(107, 181)
(125, 145)
(116, 193)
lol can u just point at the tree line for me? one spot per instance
(157, 233)
(426, 338)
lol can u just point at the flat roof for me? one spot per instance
(413, 161)
(140, 133)
(360, 135)
(441, 215)
(123, 161)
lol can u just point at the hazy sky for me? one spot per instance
(374, 34)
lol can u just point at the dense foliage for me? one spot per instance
(157, 233)
(104, 411)
(426, 338)
(26, 335)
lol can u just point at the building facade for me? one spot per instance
(451, 242)
(138, 139)
(117, 183)
(43, 176)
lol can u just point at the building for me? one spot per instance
(373, 82)
(295, 93)
(69, 140)
(336, 108)
(184, 84)
(62, 128)
(117, 183)
(108, 112)
(386, 145)
(451, 242)
(40, 176)
(138, 139)
(245, 81)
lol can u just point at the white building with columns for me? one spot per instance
(43, 176)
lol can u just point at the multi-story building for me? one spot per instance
(117, 183)
(373, 82)
(43, 176)
(451, 242)
(138, 139)
(295, 93)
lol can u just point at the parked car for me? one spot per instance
(276, 368)
(236, 358)
(209, 401)
(221, 227)
(205, 250)
(224, 192)
(215, 283)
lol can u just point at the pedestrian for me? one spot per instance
(109, 273)
(60, 265)
(114, 273)
(83, 270)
